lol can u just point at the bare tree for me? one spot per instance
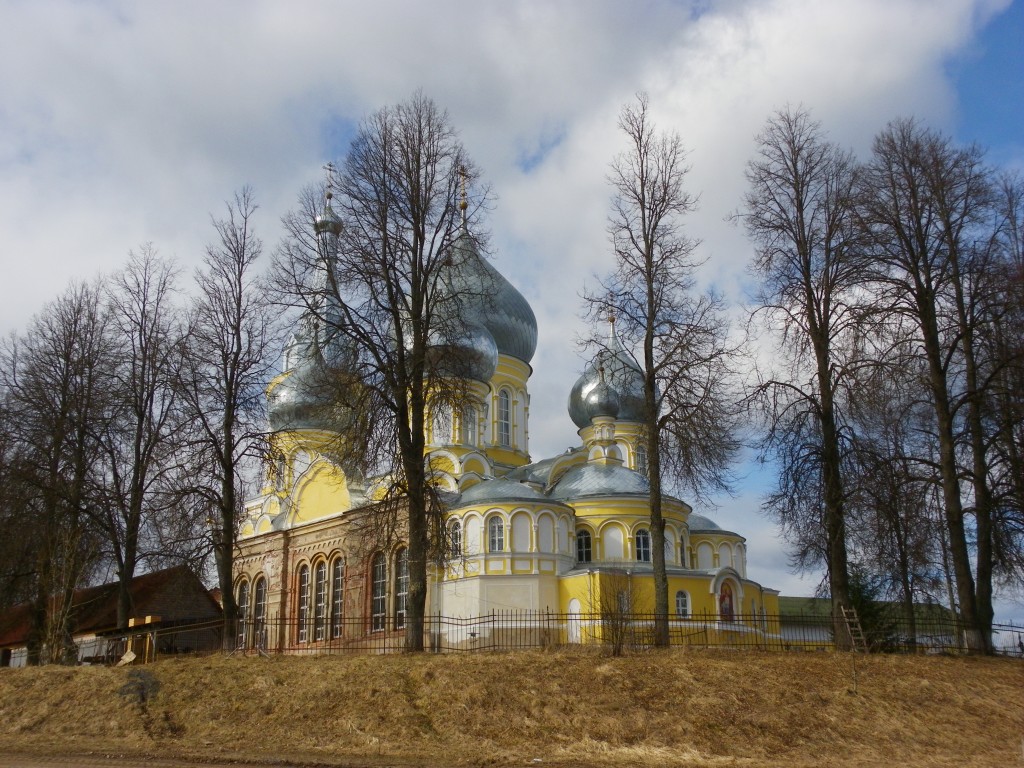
(380, 310)
(54, 385)
(686, 359)
(140, 435)
(799, 213)
(222, 377)
(1005, 395)
(894, 525)
(926, 206)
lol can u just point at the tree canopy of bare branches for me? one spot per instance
(686, 358)
(383, 302)
(799, 214)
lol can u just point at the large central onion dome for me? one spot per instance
(612, 368)
(492, 301)
(297, 402)
(473, 354)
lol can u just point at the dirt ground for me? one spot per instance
(558, 709)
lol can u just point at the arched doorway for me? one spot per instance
(725, 602)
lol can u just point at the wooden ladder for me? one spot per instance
(860, 643)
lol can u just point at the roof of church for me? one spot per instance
(498, 489)
(592, 479)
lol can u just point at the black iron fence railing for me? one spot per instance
(522, 630)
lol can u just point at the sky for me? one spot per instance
(126, 123)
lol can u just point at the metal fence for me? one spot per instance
(523, 630)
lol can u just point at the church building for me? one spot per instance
(566, 535)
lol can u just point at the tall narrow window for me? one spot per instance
(682, 604)
(320, 602)
(442, 425)
(303, 604)
(467, 426)
(495, 535)
(242, 640)
(643, 545)
(455, 539)
(379, 598)
(504, 419)
(259, 614)
(641, 460)
(584, 544)
(401, 587)
(337, 596)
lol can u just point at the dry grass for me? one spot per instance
(565, 708)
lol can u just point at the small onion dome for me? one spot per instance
(593, 479)
(327, 220)
(491, 300)
(472, 355)
(621, 373)
(602, 400)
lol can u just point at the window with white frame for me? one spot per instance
(682, 604)
(467, 426)
(401, 587)
(379, 593)
(641, 460)
(455, 539)
(337, 596)
(504, 418)
(495, 535)
(303, 616)
(584, 546)
(643, 545)
(320, 601)
(442, 425)
(259, 613)
(243, 615)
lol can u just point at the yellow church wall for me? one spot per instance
(322, 491)
(511, 375)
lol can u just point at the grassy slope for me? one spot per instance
(673, 708)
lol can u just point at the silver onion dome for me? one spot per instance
(487, 298)
(327, 221)
(602, 400)
(298, 401)
(620, 374)
(472, 354)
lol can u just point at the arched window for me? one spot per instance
(643, 546)
(337, 596)
(495, 535)
(303, 604)
(401, 587)
(584, 546)
(243, 615)
(504, 419)
(641, 460)
(467, 426)
(455, 539)
(442, 425)
(682, 604)
(320, 601)
(379, 593)
(259, 614)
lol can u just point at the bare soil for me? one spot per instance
(565, 708)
